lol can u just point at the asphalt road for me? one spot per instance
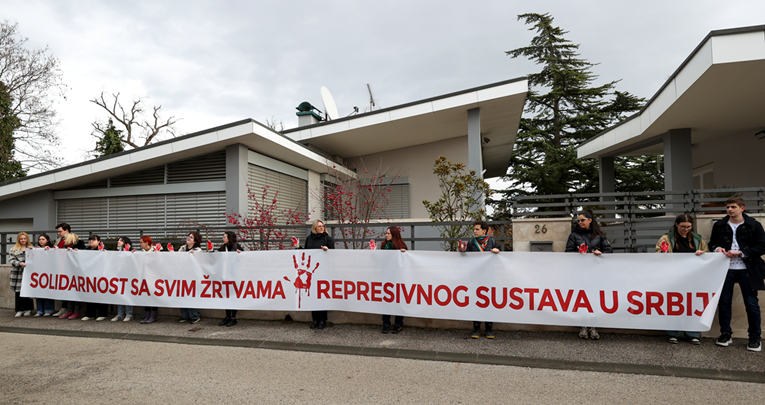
(41, 369)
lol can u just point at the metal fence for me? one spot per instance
(633, 221)
(418, 235)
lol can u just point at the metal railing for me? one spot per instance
(418, 235)
(633, 221)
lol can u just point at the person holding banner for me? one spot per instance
(125, 312)
(229, 245)
(193, 244)
(742, 239)
(72, 241)
(482, 242)
(62, 230)
(45, 306)
(681, 239)
(588, 238)
(393, 240)
(319, 239)
(18, 258)
(94, 310)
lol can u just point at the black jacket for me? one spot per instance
(225, 248)
(581, 235)
(314, 241)
(490, 244)
(751, 241)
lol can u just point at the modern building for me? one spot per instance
(198, 178)
(708, 119)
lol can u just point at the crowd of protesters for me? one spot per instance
(738, 236)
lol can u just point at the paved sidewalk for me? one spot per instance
(635, 354)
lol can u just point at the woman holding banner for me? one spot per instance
(229, 245)
(45, 306)
(193, 244)
(393, 240)
(72, 241)
(588, 238)
(18, 258)
(319, 239)
(682, 239)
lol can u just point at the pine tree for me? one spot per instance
(10, 168)
(564, 108)
(110, 141)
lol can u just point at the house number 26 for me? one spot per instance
(538, 229)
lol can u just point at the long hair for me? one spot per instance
(315, 224)
(398, 242)
(125, 240)
(197, 239)
(71, 239)
(683, 218)
(594, 227)
(231, 239)
(18, 246)
(47, 240)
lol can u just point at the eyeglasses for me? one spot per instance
(190, 237)
(582, 219)
(685, 227)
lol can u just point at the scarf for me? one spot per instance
(481, 242)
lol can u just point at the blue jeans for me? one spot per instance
(189, 313)
(386, 321)
(123, 310)
(751, 303)
(45, 306)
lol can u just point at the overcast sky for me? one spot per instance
(215, 62)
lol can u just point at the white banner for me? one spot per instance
(632, 291)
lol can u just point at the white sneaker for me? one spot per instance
(60, 312)
(86, 318)
(100, 318)
(38, 315)
(27, 313)
(128, 318)
(116, 318)
(19, 314)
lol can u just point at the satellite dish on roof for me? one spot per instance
(330, 108)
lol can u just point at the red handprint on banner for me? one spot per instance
(582, 248)
(304, 274)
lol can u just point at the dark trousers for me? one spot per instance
(477, 324)
(399, 321)
(231, 313)
(319, 315)
(23, 303)
(751, 303)
(149, 309)
(96, 310)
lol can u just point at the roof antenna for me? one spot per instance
(372, 102)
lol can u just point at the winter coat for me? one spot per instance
(17, 271)
(490, 244)
(751, 241)
(314, 241)
(185, 248)
(669, 237)
(581, 235)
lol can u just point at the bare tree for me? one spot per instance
(276, 126)
(33, 78)
(139, 130)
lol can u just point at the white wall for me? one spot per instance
(738, 159)
(416, 163)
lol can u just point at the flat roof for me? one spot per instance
(249, 132)
(425, 121)
(719, 89)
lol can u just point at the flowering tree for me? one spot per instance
(462, 195)
(261, 227)
(357, 202)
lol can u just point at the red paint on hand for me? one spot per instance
(170, 247)
(664, 246)
(582, 248)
